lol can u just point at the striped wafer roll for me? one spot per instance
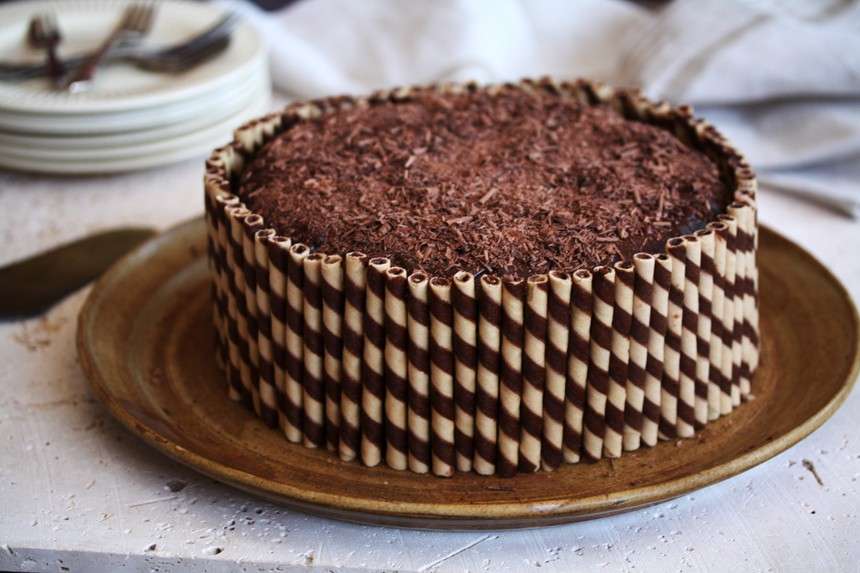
(670, 393)
(293, 391)
(616, 399)
(279, 248)
(716, 384)
(745, 285)
(313, 386)
(487, 390)
(214, 259)
(396, 382)
(355, 281)
(657, 328)
(464, 301)
(534, 372)
(707, 393)
(740, 382)
(511, 376)
(238, 346)
(373, 372)
(557, 340)
(251, 224)
(332, 299)
(418, 418)
(643, 289)
(727, 362)
(687, 420)
(266, 380)
(600, 350)
(442, 378)
(579, 356)
(225, 279)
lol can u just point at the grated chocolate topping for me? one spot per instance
(507, 182)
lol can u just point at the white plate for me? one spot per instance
(194, 145)
(126, 134)
(121, 121)
(84, 23)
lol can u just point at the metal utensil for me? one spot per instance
(162, 59)
(44, 34)
(135, 23)
(32, 286)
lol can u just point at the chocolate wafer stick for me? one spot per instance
(616, 398)
(690, 387)
(716, 384)
(657, 328)
(266, 377)
(313, 388)
(487, 390)
(511, 375)
(293, 390)
(396, 383)
(442, 377)
(250, 225)
(332, 320)
(278, 248)
(463, 299)
(643, 289)
(534, 372)
(707, 393)
(728, 317)
(239, 357)
(355, 279)
(373, 372)
(579, 356)
(418, 418)
(557, 340)
(670, 393)
(597, 390)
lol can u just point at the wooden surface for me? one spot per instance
(146, 342)
(76, 487)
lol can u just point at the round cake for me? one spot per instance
(492, 279)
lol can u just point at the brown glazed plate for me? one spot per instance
(145, 337)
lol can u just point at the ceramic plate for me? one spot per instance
(145, 342)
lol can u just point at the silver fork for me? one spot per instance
(135, 23)
(44, 34)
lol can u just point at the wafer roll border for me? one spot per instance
(440, 374)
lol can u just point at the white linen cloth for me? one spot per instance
(780, 78)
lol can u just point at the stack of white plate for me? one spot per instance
(130, 118)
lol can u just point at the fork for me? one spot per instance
(44, 34)
(135, 23)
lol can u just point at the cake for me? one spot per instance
(496, 279)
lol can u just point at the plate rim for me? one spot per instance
(460, 515)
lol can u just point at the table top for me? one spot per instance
(79, 493)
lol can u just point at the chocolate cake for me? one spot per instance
(491, 279)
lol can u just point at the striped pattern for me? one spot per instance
(373, 365)
(579, 356)
(639, 335)
(355, 280)
(689, 385)
(332, 319)
(652, 408)
(266, 368)
(487, 390)
(619, 358)
(557, 339)
(707, 405)
(464, 302)
(293, 391)
(418, 325)
(250, 225)
(510, 376)
(396, 383)
(726, 238)
(240, 373)
(534, 372)
(442, 378)
(600, 350)
(279, 248)
(313, 388)
(670, 394)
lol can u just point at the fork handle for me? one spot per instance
(87, 69)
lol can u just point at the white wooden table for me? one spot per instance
(78, 493)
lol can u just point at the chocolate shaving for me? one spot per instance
(506, 181)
